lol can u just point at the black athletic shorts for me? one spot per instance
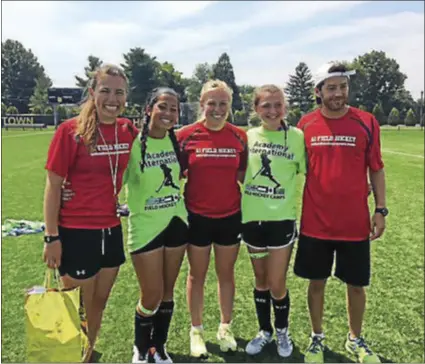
(203, 231)
(315, 258)
(86, 251)
(269, 234)
(173, 236)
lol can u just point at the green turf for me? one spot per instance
(394, 322)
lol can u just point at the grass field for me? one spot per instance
(394, 322)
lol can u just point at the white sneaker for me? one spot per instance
(197, 343)
(226, 338)
(284, 343)
(137, 358)
(256, 345)
(161, 356)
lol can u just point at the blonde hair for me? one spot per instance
(87, 118)
(215, 85)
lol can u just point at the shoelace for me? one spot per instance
(227, 333)
(362, 344)
(316, 345)
(261, 338)
(198, 336)
(283, 338)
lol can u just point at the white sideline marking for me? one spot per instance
(29, 134)
(52, 132)
(401, 153)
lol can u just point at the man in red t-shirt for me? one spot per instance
(343, 146)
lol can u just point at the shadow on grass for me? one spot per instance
(95, 357)
(268, 355)
(332, 357)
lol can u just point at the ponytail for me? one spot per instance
(144, 141)
(87, 124)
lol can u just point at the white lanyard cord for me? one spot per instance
(114, 172)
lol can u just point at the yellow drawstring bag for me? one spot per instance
(52, 321)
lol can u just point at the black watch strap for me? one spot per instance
(48, 239)
(382, 210)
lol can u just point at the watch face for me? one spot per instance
(383, 211)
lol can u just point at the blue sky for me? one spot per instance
(265, 40)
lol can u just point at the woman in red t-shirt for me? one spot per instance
(214, 153)
(83, 236)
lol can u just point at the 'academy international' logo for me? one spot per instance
(157, 203)
(168, 178)
(262, 190)
(266, 170)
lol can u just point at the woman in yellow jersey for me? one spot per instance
(157, 224)
(276, 156)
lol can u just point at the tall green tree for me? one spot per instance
(377, 80)
(201, 74)
(379, 114)
(403, 101)
(12, 110)
(299, 88)
(141, 70)
(247, 97)
(169, 76)
(39, 101)
(394, 117)
(223, 70)
(94, 64)
(19, 71)
(410, 119)
(294, 115)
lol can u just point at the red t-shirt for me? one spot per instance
(339, 153)
(213, 159)
(93, 206)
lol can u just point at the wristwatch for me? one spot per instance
(382, 210)
(48, 239)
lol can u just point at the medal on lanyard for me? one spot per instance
(121, 210)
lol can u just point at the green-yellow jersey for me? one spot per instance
(154, 195)
(275, 159)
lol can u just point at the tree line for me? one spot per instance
(378, 86)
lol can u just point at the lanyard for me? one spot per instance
(114, 172)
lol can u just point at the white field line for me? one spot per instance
(27, 134)
(401, 153)
(52, 131)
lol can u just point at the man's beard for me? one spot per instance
(335, 106)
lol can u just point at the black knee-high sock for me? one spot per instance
(142, 332)
(161, 324)
(262, 305)
(281, 311)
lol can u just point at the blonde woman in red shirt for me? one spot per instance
(83, 236)
(215, 156)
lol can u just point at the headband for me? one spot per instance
(322, 76)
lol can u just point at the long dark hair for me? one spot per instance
(153, 98)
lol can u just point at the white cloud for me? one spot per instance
(165, 12)
(400, 35)
(62, 47)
